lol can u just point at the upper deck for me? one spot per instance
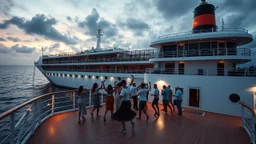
(239, 35)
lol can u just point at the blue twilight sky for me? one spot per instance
(70, 25)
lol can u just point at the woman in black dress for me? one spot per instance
(124, 113)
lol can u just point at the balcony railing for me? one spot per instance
(249, 121)
(204, 72)
(203, 31)
(19, 123)
(139, 71)
(206, 52)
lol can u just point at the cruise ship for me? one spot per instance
(203, 62)
(218, 97)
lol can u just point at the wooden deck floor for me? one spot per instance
(172, 129)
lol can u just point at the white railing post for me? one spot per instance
(101, 98)
(74, 100)
(252, 128)
(53, 103)
(34, 109)
(90, 98)
(243, 118)
(12, 137)
(39, 111)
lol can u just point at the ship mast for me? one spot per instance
(98, 35)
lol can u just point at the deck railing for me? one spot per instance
(138, 71)
(203, 31)
(203, 71)
(19, 123)
(205, 52)
(249, 121)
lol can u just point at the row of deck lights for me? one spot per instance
(81, 76)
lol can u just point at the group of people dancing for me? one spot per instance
(123, 93)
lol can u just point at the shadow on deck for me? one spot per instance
(191, 128)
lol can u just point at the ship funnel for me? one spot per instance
(204, 18)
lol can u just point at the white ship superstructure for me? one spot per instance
(203, 62)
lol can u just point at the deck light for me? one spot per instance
(48, 104)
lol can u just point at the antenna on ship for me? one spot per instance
(42, 51)
(98, 35)
(222, 24)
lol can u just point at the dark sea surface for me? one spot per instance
(16, 85)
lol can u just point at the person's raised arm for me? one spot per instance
(132, 80)
(103, 85)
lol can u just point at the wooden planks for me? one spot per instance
(173, 129)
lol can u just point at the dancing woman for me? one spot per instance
(82, 94)
(117, 95)
(109, 99)
(96, 98)
(124, 113)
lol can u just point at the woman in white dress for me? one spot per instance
(82, 95)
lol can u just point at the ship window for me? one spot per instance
(65, 75)
(53, 74)
(205, 45)
(76, 76)
(106, 77)
(214, 44)
(193, 46)
(89, 76)
(97, 77)
(82, 76)
(70, 75)
(60, 74)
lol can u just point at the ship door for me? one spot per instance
(220, 69)
(194, 97)
(181, 68)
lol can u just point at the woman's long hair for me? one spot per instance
(80, 90)
(110, 88)
(95, 85)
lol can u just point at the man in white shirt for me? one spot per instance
(134, 96)
(178, 95)
(143, 100)
(155, 101)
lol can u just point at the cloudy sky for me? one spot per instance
(70, 25)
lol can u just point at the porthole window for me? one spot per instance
(76, 76)
(106, 77)
(89, 76)
(119, 78)
(82, 76)
(65, 75)
(97, 77)
(60, 74)
(234, 98)
(70, 75)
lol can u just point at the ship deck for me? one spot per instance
(191, 128)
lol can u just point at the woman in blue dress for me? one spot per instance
(96, 98)
(82, 95)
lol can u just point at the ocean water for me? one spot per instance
(16, 85)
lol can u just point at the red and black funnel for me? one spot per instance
(204, 18)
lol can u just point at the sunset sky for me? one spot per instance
(70, 25)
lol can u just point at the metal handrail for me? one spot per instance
(206, 52)
(203, 71)
(22, 126)
(249, 121)
(201, 31)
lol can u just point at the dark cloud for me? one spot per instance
(16, 48)
(69, 18)
(175, 8)
(240, 13)
(137, 26)
(13, 39)
(93, 21)
(39, 25)
(53, 47)
(5, 6)
(2, 39)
